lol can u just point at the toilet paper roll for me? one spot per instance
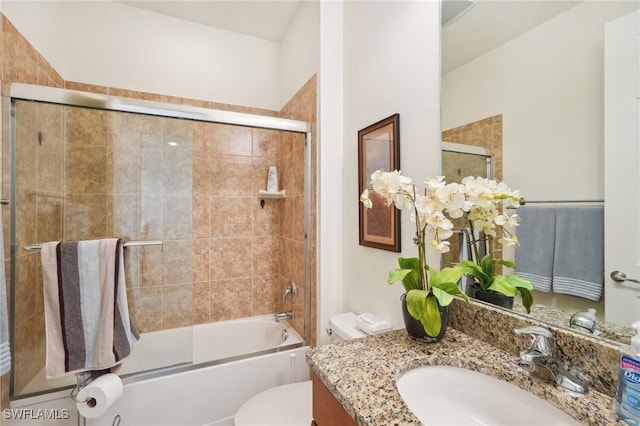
(99, 395)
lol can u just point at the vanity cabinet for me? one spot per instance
(327, 411)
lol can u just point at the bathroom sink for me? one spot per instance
(443, 395)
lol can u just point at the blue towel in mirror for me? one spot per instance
(578, 265)
(534, 256)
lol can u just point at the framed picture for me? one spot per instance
(379, 148)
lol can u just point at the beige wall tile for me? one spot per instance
(201, 260)
(230, 258)
(230, 299)
(86, 126)
(150, 266)
(231, 140)
(177, 217)
(201, 302)
(122, 214)
(266, 220)
(177, 169)
(177, 306)
(265, 143)
(85, 169)
(49, 217)
(231, 175)
(265, 256)
(84, 216)
(125, 93)
(123, 171)
(201, 179)
(20, 59)
(266, 295)
(177, 262)
(150, 221)
(231, 217)
(84, 87)
(201, 206)
(47, 75)
(145, 307)
(150, 172)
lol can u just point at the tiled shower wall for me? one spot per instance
(485, 133)
(223, 256)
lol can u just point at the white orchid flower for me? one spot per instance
(364, 198)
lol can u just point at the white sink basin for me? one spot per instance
(442, 395)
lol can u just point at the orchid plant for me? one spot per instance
(427, 289)
(479, 202)
(486, 201)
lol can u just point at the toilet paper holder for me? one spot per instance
(82, 380)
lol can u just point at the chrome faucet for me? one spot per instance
(541, 360)
(291, 291)
(283, 315)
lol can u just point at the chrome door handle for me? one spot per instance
(620, 277)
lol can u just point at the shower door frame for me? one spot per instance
(67, 97)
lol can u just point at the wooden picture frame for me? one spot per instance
(379, 148)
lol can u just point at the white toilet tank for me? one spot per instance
(343, 327)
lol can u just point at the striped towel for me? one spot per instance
(578, 265)
(537, 236)
(86, 314)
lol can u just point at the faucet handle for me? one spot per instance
(534, 330)
(541, 338)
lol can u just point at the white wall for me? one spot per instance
(392, 65)
(548, 84)
(300, 50)
(330, 160)
(112, 44)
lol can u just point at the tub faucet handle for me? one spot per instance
(291, 291)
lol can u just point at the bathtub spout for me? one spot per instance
(283, 315)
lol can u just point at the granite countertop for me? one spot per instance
(553, 315)
(362, 375)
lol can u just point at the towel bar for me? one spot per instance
(36, 247)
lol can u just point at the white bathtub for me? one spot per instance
(229, 362)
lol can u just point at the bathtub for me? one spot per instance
(228, 362)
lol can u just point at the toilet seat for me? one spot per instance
(285, 405)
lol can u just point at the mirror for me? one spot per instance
(525, 80)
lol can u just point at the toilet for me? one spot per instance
(290, 405)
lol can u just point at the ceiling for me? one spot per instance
(485, 25)
(266, 19)
(490, 23)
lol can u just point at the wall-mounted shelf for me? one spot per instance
(266, 194)
(273, 195)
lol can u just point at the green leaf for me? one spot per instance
(445, 291)
(423, 306)
(444, 283)
(445, 275)
(406, 277)
(416, 303)
(507, 263)
(469, 267)
(502, 285)
(411, 280)
(432, 322)
(396, 275)
(520, 282)
(527, 298)
(487, 264)
(443, 296)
